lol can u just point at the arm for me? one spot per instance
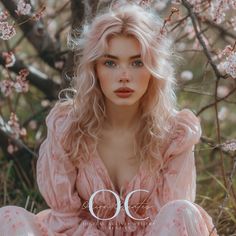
(56, 175)
(179, 172)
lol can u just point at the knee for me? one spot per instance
(180, 208)
(8, 213)
(17, 221)
(10, 210)
(180, 217)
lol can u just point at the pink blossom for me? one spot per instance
(197, 5)
(12, 148)
(6, 31)
(217, 15)
(225, 52)
(229, 146)
(9, 58)
(3, 25)
(218, 9)
(3, 15)
(15, 126)
(6, 87)
(21, 84)
(230, 65)
(39, 14)
(232, 3)
(23, 73)
(23, 8)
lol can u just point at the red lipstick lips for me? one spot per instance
(124, 92)
(124, 89)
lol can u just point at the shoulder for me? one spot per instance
(184, 133)
(186, 125)
(59, 116)
(52, 155)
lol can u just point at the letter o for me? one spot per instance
(91, 204)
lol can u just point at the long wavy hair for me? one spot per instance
(157, 105)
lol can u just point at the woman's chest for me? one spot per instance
(119, 158)
(93, 176)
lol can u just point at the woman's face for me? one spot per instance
(121, 67)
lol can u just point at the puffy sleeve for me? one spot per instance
(179, 172)
(56, 175)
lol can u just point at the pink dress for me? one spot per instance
(162, 206)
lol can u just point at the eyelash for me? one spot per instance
(136, 63)
(106, 63)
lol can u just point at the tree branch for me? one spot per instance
(44, 84)
(200, 39)
(37, 35)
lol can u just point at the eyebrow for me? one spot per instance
(115, 57)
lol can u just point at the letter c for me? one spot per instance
(126, 204)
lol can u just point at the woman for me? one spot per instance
(118, 158)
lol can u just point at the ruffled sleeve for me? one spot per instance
(56, 175)
(179, 172)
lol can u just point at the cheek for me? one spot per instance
(144, 79)
(101, 75)
(104, 81)
(104, 78)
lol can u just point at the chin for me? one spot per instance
(125, 102)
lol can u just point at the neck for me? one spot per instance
(122, 118)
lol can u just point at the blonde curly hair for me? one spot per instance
(158, 103)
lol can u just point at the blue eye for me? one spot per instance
(109, 63)
(137, 63)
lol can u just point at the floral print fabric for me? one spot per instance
(167, 202)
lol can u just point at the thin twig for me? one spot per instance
(217, 100)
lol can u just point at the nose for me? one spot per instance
(123, 80)
(124, 77)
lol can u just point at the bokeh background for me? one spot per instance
(36, 63)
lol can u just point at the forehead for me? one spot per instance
(123, 46)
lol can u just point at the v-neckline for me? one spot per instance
(124, 187)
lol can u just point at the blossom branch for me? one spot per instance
(228, 184)
(200, 38)
(37, 35)
(43, 83)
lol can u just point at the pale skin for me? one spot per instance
(121, 66)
